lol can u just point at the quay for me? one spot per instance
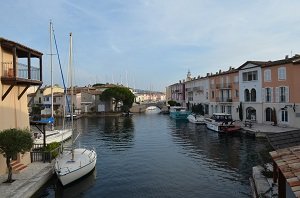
(28, 181)
(262, 130)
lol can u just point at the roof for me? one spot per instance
(284, 139)
(288, 162)
(295, 60)
(9, 43)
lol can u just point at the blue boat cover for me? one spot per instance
(47, 120)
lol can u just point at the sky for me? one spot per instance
(151, 44)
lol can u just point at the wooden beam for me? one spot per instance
(7, 92)
(25, 89)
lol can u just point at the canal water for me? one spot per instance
(156, 156)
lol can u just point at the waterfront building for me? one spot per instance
(260, 86)
(197, 92)
(21, 67)
(224, 92)
(178, 92)
(280, 91)
(250, 84)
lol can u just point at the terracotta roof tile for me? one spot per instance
(288, 162)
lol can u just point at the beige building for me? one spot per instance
(21, 67)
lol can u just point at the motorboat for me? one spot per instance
(152, 110)
(196, 118)
(222, 123)
(178, 112)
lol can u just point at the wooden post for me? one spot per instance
(275, 172)
(29, 65)
(41, 79)
(15, 60)
(281, 185)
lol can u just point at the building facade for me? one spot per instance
(21, 67)
(267, 92)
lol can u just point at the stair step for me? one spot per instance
(17, 167)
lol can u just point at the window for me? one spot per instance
(253, 95)
(236, 93)
(212, 94)
(236, 79)
(268, 114)
(284, 116)
(206, 95)
(281, 73)
(282, 91)
(267, 75)
(250, 76)
(247, 95)
(229, 111)
(268, 95)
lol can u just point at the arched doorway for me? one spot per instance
(251, 114)
(268, 114)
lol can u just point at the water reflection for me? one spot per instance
(78, 188)
(117, 133)
(232, 153)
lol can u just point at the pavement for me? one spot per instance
(27, 182)
(261, 130)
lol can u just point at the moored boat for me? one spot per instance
(178, 112)
(196, 118)
(152, 110)
(73, 164)
(222, 123)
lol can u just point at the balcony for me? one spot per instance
(14, 72)
(223, 86)
(223, 99)
(198, 89)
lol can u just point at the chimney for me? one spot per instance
(286, 56)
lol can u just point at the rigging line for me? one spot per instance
(62, 75)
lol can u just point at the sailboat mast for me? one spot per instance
(51, 71)
(71, 91)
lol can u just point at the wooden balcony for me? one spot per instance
(14, 73)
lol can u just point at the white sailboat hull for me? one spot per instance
(69, 171)
(54, 136)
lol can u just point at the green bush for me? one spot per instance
(52, 146)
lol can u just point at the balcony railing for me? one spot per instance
(223, 99)
(22, 71)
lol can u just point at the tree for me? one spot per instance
(172, 103)
(119, 94)
(241, 112)
(12, 142)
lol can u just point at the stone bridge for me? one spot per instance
(140, 108)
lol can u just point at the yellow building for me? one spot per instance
(21, 67)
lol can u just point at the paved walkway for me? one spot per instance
(27, 182)
(260, 130)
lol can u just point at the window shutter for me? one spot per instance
(277, 94)
(263, 95)
(287, 94)
(271, 94)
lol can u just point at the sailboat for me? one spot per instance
(73, 164)
(52, 135)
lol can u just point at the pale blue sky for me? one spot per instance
(154, 42)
